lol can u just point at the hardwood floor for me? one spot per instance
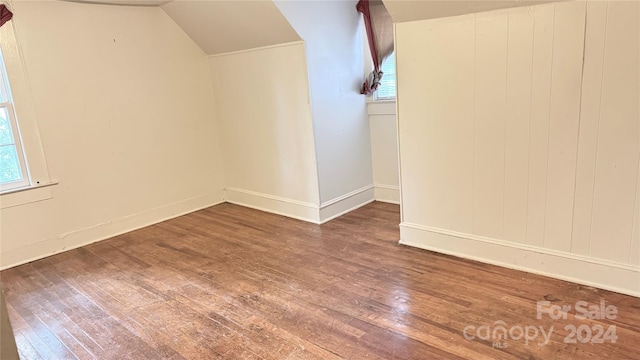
(229, 282)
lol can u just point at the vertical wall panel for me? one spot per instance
(539, 130)
(438, 181)
(384, 149)
(518, 122)
(554, 96)
(549, 98)
(589, 120)
(618, 140)
(564, 114)
(489, 123)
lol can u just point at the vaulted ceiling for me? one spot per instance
(410, 10)
(231, 25)
(220, 26)
(124, 2)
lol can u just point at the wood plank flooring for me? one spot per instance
(229, 282)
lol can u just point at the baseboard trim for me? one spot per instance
(580, 269)
(105, 230)
(387, 193)
(300, 210)
(274, 204)
(348, 202)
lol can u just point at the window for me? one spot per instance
(387, 89)
(13, 166)
(24, 176)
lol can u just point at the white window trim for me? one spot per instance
(382, 107)
(40, 188)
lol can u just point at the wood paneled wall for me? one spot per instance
(521, 127)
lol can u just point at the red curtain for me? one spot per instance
(5, 14)
(379, 27)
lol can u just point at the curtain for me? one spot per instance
(5, 14)
(379, 27)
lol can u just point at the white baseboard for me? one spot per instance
(387, 193)
(348, 202)
(105, 230)
(298, 209)
(274, 204)
(286, 207)
(580, 269)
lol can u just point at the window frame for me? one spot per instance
(16, 70)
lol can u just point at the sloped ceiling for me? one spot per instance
(231, 25)
(220, 26)
(410, 10)
(123, 2)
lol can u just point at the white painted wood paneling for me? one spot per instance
(489, 123)
(383, 127)
(618, 136)
(439, 178)
(555, 132)
(564, 115)
(384, 153)
(590, 117)
(518, 123)
(539, 131)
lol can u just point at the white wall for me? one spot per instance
(517, 152)
(124, 105)
(333, 34)
(267, 133)
(384, 150)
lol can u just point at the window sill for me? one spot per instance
(382, 107)
(28, 195)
